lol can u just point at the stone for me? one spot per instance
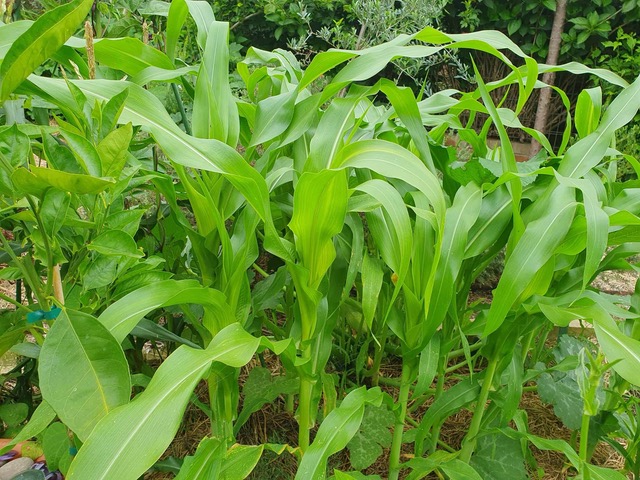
(15, 467)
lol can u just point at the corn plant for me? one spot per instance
(373, 230)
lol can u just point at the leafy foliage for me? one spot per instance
(333, 227)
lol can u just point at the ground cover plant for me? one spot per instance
(322, 233)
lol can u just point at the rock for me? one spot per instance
(15, 467)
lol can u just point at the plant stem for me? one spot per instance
(398, 429)
(435, 432)
(470, 440)
(584, 437)
(377, 358)
(183, 113)
(13, 302)
(304, 412)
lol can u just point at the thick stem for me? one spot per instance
(471, 438)
(584, 437)
(304, 412)
(398, 429)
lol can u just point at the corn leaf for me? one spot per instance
(39, 42)
(129, 440)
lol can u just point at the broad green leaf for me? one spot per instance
(458, 470)
(373, 435)
(215, 114)
(329, 136)
(178, 12)
(458, 222)
(588, 109)
(115, 243)
(205, 463)
(589, 151)
(428, 366)
(240, 461)
(113, 151)
(121, 317)
(336, 431)
(393, 161)
(130, 439)
(261, 388)
(390, 227)
(561, 391)
(319, 209)
(593, 472)
(83, 372)
(9, 33)
(499, 457)
(85, 153)
(533, 250)
(55, 444)
(15, 148)
(453, 399)
(130, 55)
(14, 413)
(53, 210)
(37, 179)
(41, 40)
(617, 346)
(273, 117)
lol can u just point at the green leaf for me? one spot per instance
(458, 470)
(319, 209)
(536, 246)
(129, 55)
(122, 316)
(428, 366)
(456, 397)
(336, 431)
(215, 114)
(240, 461)
(53, 210)
(15, 148)
(205, 463)
(561, 390)
(129, 440)
(41, 40)
(55, 444)
(366, 445)
(588, 152)
(83, 372)
(372, 278)
(115, 243)
(499, 457)
(37, 179)
(14, 414)
(588, 109)
(617, 346)
(273, 116)
(261, 388)
(113, 150)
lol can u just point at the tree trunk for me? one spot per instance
(549, 77)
